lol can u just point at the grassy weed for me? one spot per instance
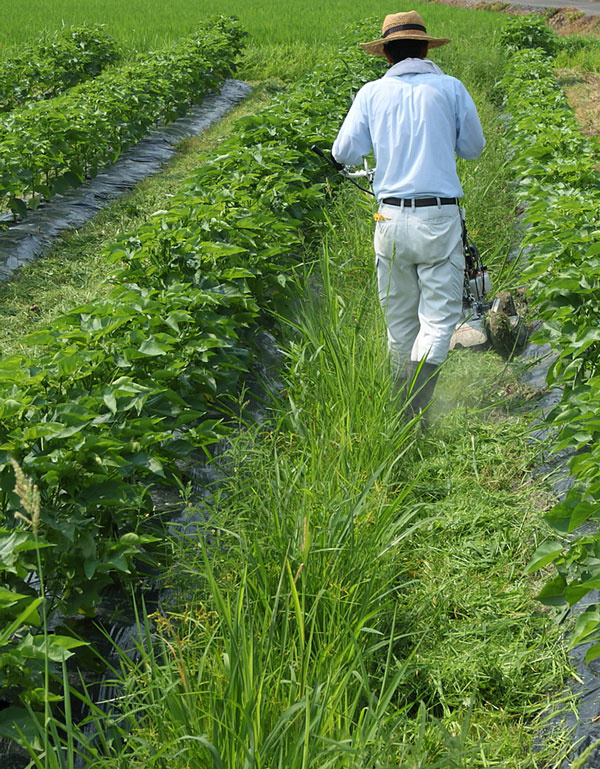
(580, 53)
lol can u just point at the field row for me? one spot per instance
(54, 64)
(558, 169)
(51, 145)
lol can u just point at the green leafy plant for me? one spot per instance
(559, 183)
(28, 650)
(118, 394)
(527, 32)
(54, 64)
(56, 144)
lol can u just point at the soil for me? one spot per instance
(570, 21)
(583, 92)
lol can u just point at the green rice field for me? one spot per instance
(143, 24)
(286, 39)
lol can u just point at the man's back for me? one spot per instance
(415, 119)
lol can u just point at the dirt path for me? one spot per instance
(591, 8)
(582, 18)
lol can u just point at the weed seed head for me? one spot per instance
(29, 496)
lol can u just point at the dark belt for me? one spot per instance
(418, 202)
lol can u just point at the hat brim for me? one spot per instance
(376, 46)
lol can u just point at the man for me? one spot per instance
(415, 119)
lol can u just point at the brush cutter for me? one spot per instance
(471, 329)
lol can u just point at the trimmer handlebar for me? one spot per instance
(366, 173)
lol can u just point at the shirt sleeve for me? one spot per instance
(469, 136)
(353, 141)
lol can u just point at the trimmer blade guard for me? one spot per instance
(470, 334)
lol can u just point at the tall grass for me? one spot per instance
(579, 52)
(296, 658)
(290, 654)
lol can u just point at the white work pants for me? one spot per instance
(420, 272)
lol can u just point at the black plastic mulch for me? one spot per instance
(584, 721)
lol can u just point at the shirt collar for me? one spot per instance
(416, 66)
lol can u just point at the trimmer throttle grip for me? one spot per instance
(328, 158)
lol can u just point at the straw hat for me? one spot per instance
(402, 26)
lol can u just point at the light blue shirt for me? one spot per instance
(415, 119)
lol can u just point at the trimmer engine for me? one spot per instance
(477, 278)
(499, 323)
